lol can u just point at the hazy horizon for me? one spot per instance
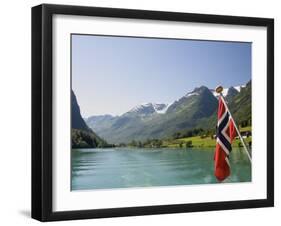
(111, 75)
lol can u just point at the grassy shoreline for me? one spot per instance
(200, 142)
(203, 141)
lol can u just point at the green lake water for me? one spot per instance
(125, 167)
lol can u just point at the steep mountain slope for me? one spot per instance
(77, 121)
(100, 122)
(241, 105)
(81, 135)
(231, 93)
(196, 104)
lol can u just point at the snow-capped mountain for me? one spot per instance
(148, 108)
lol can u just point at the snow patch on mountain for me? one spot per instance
(191, 94)
(238, 88)
(139, 107)
(163, 111)
(150, 107)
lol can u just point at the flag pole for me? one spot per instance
(219, 90)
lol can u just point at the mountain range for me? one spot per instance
(196, 109)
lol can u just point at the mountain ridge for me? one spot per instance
(225, 93)
(195, 109)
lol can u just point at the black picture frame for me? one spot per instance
(42, 111)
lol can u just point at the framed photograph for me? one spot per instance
(145, 112)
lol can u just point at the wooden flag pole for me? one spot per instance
(219, 90)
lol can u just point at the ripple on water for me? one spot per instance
(123, 168)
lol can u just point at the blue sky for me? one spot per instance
(110, 75)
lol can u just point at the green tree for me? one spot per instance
(140, 145)
(188, 144)
(133, 143)
(181, 144)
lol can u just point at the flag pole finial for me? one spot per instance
(219, 89)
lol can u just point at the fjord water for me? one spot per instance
(125, 167)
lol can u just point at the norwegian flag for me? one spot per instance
(225, 134)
